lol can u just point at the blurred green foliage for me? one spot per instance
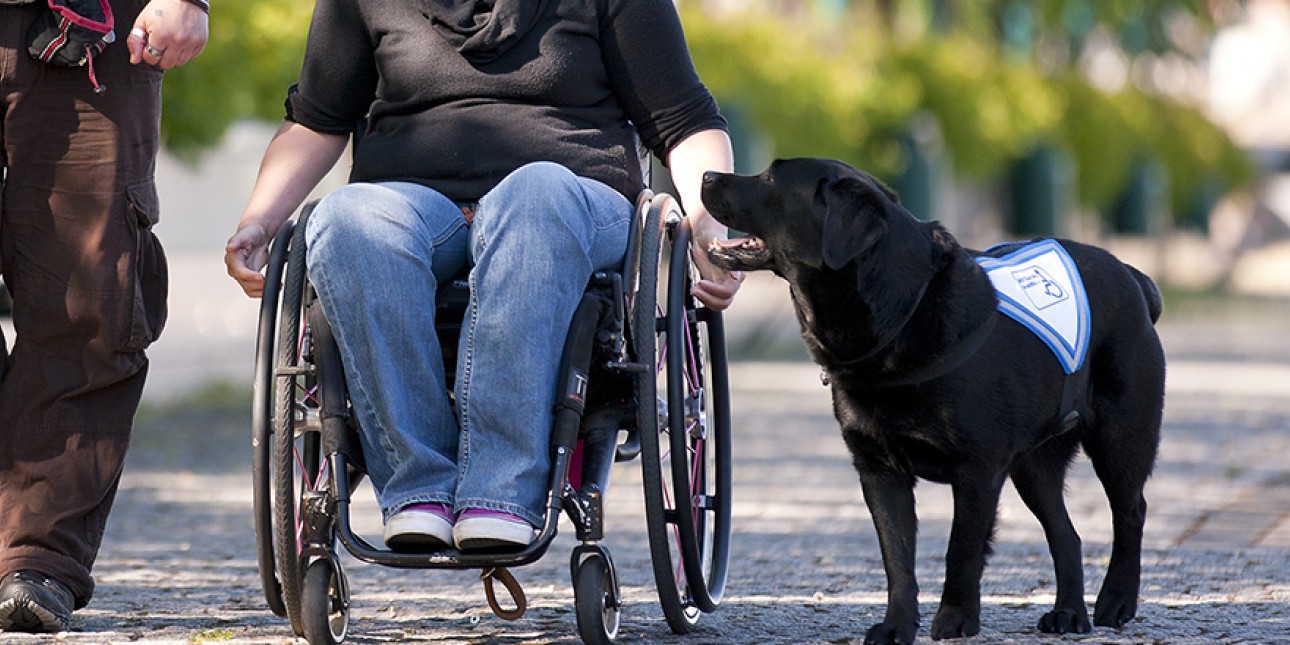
(848, 87)
(843, 86)
(252, 56)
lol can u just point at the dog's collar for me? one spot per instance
(945, 364)
(885, 340)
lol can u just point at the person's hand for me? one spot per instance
(167, 33)
(716, 287)
(245, 255)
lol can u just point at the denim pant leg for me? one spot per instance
(536, 239)
(376, 255)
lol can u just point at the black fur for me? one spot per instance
(881, 296)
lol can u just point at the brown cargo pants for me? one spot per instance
(88, 280)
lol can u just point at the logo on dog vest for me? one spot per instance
(1042, 291)
(1039, 287)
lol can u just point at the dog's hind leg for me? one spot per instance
(976, 504)
(1121, 442)
(1039, 477)
(891, 503)
(1123, 470)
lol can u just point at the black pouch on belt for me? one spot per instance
(72, 32)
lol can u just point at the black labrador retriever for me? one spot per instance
(930, 379)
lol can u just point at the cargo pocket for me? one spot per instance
(151, 281)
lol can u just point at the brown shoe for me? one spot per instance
(33, 602)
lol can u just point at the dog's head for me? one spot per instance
(819, 213)
(860, 267)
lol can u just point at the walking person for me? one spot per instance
(80, 103)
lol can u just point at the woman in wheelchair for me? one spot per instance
(498, 140)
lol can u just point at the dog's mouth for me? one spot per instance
(748, 253)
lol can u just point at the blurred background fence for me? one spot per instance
(1159, 128)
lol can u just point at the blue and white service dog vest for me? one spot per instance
(1039, 286)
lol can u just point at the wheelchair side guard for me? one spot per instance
(338, 435)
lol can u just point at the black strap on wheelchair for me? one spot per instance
(334, 414)
(575, 362)
(512, 587)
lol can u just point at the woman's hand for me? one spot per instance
(716, 287)
(245, 255)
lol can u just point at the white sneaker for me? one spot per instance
(420, 527)
(478, 528)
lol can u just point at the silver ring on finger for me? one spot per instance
(152, 51)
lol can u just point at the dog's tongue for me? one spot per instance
(731, 243)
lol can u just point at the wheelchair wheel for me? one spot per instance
(596, 601)
(324, 603)
(685, 462)
(297, 465)
(262, 421)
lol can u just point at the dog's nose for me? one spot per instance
(709, 176)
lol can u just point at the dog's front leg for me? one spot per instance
(976, 502)
(891, 503)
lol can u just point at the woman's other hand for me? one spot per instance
(245, 255)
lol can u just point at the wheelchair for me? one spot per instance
(648, 380)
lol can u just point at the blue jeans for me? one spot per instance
(377, 254)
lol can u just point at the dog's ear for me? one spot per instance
(852, 221)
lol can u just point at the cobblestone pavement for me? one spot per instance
(178, 565)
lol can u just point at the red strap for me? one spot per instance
(81, 21)
(89, 61)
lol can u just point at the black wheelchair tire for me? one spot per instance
(324, 604)
(262, 422)
(285, 496)
(692, 530)
(680, 614)
(596, 603)
(704, 515)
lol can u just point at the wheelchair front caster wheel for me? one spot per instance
(596, 601)
(324, 604)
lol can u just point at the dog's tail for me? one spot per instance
(1150, 292)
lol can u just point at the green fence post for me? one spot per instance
(1143, 206)
(1195, 216)
(924, 169)
(1040, 192)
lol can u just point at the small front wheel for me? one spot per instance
(596, 601)
(324, 604)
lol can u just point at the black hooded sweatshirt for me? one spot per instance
(455, 95)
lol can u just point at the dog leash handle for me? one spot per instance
(512, 587)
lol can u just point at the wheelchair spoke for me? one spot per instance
(692, 374)
(696, 472)
(309, 394)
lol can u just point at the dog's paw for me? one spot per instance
(1065, 621)
(1114, 609)
(954, 622)
(884, 634)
